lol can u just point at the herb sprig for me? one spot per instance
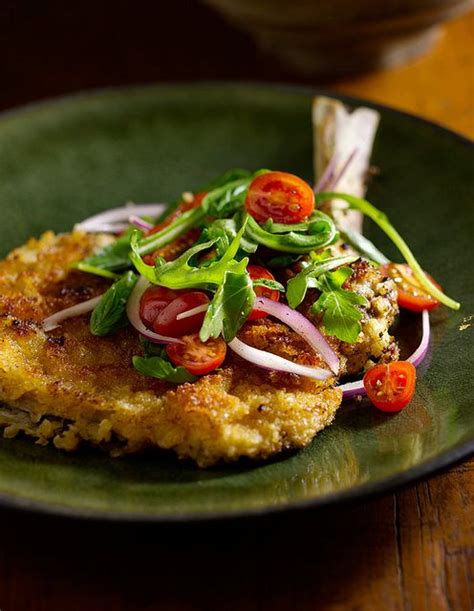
(109, 314)
(341, 314)
(156, 364)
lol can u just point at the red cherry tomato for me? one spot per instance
(283, 197)
(149, 259)
(153, 300)
(196, 356)
(257, 272)
(166, 322)
(184, 206)
(391, 387)
(411, 295)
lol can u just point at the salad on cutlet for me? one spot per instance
(249, 245)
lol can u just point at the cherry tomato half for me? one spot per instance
(184, 206)
(153, 300)
(166, 322)
(196, 356)
(283, 197)
(391, 387)
(256, 272)
(411, 295)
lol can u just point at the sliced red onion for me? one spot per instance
(418, 356)
(193, 311)
(267, 360)
(353, 389)
(326, 177)
(299, 323)
(53, 322)
(115, 228)
(137, 221)
(117, 218)
(133, 313)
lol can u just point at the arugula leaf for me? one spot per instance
(178, 274)
(109, 314)
(225, 230)
(182, 224)
(229, 308)
(270, 284)
(226, 196)
(226, 200)
(160, 367)
(341, 317)
(97, 271)
(293, 241)
(386, 226)
(308, 278)
(363, 246)
(116, 256)
(113, 257)
(313, 225)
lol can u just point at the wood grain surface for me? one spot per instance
(410, 550)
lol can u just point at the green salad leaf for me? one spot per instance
(308, 278)
(319, 234)
(161, 367)
(230, 307)
(114, 256)
(183, 223)
(109, 314)
(179, 274)
(386, 226)
(224, 231)
(97, 271)
(364, 246)
(341, 316)
(228, 199)
(270, 284)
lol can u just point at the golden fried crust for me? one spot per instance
(69, 385)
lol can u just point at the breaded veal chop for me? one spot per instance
(68, 385)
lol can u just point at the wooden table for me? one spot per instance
(412, 549)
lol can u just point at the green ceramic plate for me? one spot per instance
(62, 161)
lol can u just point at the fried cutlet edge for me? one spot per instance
(234, 412)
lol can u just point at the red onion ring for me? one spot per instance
(116, 219)
(137, 221)
(418, 356)
(299, 323)
(133, 313)
(268, 360)
(353, 389)
(53, 321)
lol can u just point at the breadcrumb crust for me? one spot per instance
(68, 385)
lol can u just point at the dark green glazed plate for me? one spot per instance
(62, 161)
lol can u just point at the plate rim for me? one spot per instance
(368, 490)
(359, 493)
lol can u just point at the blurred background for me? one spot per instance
(397, 51)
